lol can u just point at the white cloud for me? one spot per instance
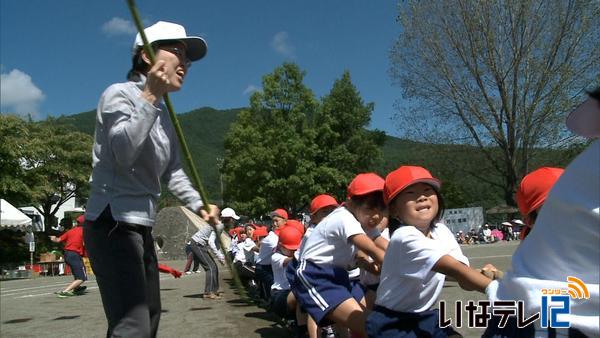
(118, 26)
(18, 94)
(282, 45)
(251, 89)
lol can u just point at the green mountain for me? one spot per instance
(455, 165)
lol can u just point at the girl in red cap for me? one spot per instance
(532, 194)
(420, 254)
(319, 279)
(282, 300)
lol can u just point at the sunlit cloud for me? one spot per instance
(281, 44)
(119, 26)
(251, 89)
(19, 95)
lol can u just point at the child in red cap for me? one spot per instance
(320, 207)
(532, 194)
(420, 254)
(265, 249)
(282, 300)
(319, 279)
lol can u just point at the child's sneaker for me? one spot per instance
(65, 294)
(79, 290)
(211, 296)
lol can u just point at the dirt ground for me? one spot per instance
(29, 308)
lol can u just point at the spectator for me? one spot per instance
(74, 251)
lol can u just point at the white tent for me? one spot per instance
(12, 218)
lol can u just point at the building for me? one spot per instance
(463, 219)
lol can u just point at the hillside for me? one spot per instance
(206, 127)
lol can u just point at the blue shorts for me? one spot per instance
(75, 262)
(358, 290)
(319, 288)
(383, 322)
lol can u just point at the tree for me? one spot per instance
(344, 146)
(269, 150)
(43, 164)
(499, 75)
(14, 145)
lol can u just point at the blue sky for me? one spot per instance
(58, 56)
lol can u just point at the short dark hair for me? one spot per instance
(370, 200)
(139, 66)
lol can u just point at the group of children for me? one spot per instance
(375, 265)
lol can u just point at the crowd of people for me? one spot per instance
(505, 231)
(373, 265)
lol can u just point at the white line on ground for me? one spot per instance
(52, 293)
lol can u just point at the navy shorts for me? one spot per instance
(358, 290)
(383, 322)
(319, 288)
(75, 262)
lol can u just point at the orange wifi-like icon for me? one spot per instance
(577, 288)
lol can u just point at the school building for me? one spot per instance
(463, 219)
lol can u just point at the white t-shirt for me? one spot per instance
(565, 241)
(307, 233)
(267, 247)
(407, 282)
(244, 251)
(280, 282)
(329, 242)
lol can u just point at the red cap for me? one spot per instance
(80, 220)
(279, 213)
(364, 184)
(237, 230)
(261, 231)
(535, 187)
(290, 237)
(406, 175)
(321, 202)
(295, 224)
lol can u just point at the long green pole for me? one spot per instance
(184, 147)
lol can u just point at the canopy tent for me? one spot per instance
(12, 218)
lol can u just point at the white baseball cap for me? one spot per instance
(162, 30)
(228, 212)
(585, 119)
(517, 221)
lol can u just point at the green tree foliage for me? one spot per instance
(269, 150)
(43, 164)
(344, 146)
(497, 75)
(15, 142)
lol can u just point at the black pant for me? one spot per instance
(124, 261)
(264, 275)
(211, 282)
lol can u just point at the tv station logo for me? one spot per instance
(554, 302)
